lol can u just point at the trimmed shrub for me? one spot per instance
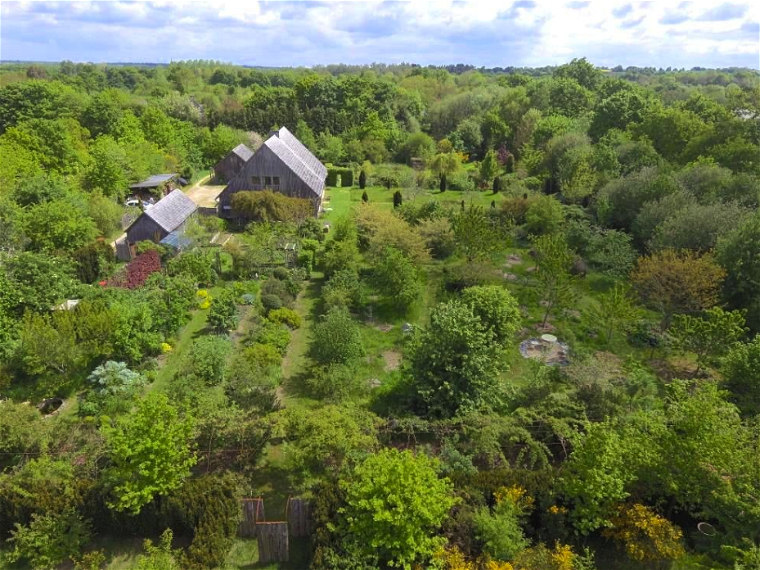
(271, 302)
(272, 334)
(285, 316)
(281, 273)
(346, 177)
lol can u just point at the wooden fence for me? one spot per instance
(272, 538)
(298, 513)
(253, 513)
(123, 251)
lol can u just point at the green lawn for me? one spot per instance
(342, 199)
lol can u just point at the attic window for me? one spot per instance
(255, 180)
(267, 181)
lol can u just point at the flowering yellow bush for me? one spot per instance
(453, 559)
(645, 534)
(165, 347)
(496, 565)
(515, 495)
(563, 557)
(204, 299)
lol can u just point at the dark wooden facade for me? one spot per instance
(145, 228)
(267, 170)
(227, 168)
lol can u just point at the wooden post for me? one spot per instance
(253, 513)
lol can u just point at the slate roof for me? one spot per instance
(171, 210)
(298, 158)
(302, 152)
(154, 181)
(243, 152)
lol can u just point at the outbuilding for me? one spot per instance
(167, 216)
(227, 168)
(157, 185)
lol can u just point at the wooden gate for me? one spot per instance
(272, 538)
(298, 513)
(253, 514)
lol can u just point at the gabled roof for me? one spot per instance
(171, 210)
(154, 181)
(243, 152)
(295, 164)
(303, 153)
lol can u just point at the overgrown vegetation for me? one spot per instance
(527, 338)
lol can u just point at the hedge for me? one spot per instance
(346, 177)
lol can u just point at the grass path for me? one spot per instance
(297, 361)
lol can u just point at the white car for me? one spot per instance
(136, 203)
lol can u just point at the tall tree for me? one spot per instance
(553, 262)
(150, 453)
(677, 282)
(395, 503)
(710, 334)
(455, 361)
(474, 233)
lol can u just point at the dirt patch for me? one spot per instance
(204, 196)
(392, 360)
(513, 260)
(385, 327)
(510, 276)
(547, 328)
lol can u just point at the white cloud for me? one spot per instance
(483, 32)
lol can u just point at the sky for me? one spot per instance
(438, 32)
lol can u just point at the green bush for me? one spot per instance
(336, 338)
(49, 539)
(261, 356)
(281, 273)
(306, 261)
(272, 334)
(209, 508)
(336, 382)
(207, 359)
(285, 316)
(223, 315)
(271, 302)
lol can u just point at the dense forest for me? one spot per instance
(523, 333)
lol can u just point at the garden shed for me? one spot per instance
(282, 164)
(226, 169)
(151, 185)
(168, 215)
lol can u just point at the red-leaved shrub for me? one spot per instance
(134, 274)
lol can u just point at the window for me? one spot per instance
(276, 181)
(255, 180)
(267, 181)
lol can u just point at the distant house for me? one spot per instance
(226, 169)
(282, 164)
(167, 216)
(166, 181)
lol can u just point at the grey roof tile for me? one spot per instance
(172, 210)
(154, 181)
(243, 152)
